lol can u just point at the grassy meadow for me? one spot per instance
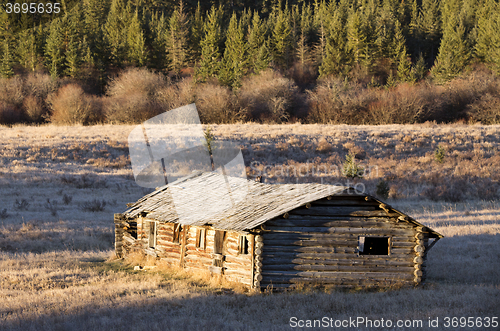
(60, 186)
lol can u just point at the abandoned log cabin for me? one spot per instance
(276, 235)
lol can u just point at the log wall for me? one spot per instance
(318, 244)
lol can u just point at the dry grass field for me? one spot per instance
(61, 185)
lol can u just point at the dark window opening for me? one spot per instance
(201, 236)
(373, 245)
(152, 235)
(243, 245)
(176, 235)
(218, 242)
(132, 229)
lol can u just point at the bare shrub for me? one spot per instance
(67, 199)
(70, 105)
(485, 110)
(84, 181)
(23, 204)
(40, 85)
(93, 205)
(52, 206)
(9, 114)
(269, 97)
(337, 101)
(11, 90)
(34, 108)
(177, 95)
(4, 214)
(133, 96)
(216, 104)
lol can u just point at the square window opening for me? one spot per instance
(374, 245)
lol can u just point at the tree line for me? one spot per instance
(389, 39)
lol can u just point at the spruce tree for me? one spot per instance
(115, 32)
(158, 54)
(54, 48)
(177, 39)
(487, 48)
(454, 51)
(357, 40)
(303, 51)
(136, 43)
(335, 60)
(196, 34)
(281, 40)
(233, 64)
(210, 54)
(26, 49)
(258, 50)
(6, 70)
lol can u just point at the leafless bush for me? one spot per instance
(21, 205)
(337, 101)
(70, 105)
(83, 181)
(134, 95)
(485, 110)
(216, 104)
(177, 95)
(34, 108)
(40, 85)
(93, 205)
(9, 114)
(136, 81)
(11, 90)
(67, 199)
(4, 214)
(269, 97)
(52, 206)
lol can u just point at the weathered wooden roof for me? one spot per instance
(231, 203)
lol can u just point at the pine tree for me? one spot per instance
(335, 59)
(429, 26)
(210, 54)
(72, 34)
(6, 70)
(26, 49)
(281, 40)
(53, 48)
(454, 52)
(400, 55)
(177, 39)
(136, 42)
(196, 34)
(233, 64)
(258, 50)
(357, 40)
(487, 48)
(95, 13)
(303, 52)
(158, 54)
(115, 32)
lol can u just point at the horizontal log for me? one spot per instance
(418, 260)
(332, 261)
(343, 211)
(339, 277)
(258, 277)
(327, 222)
(283, 249)
(345, 201)
(351, 233)
(333, 282)
(323, 243)
(331, 267)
